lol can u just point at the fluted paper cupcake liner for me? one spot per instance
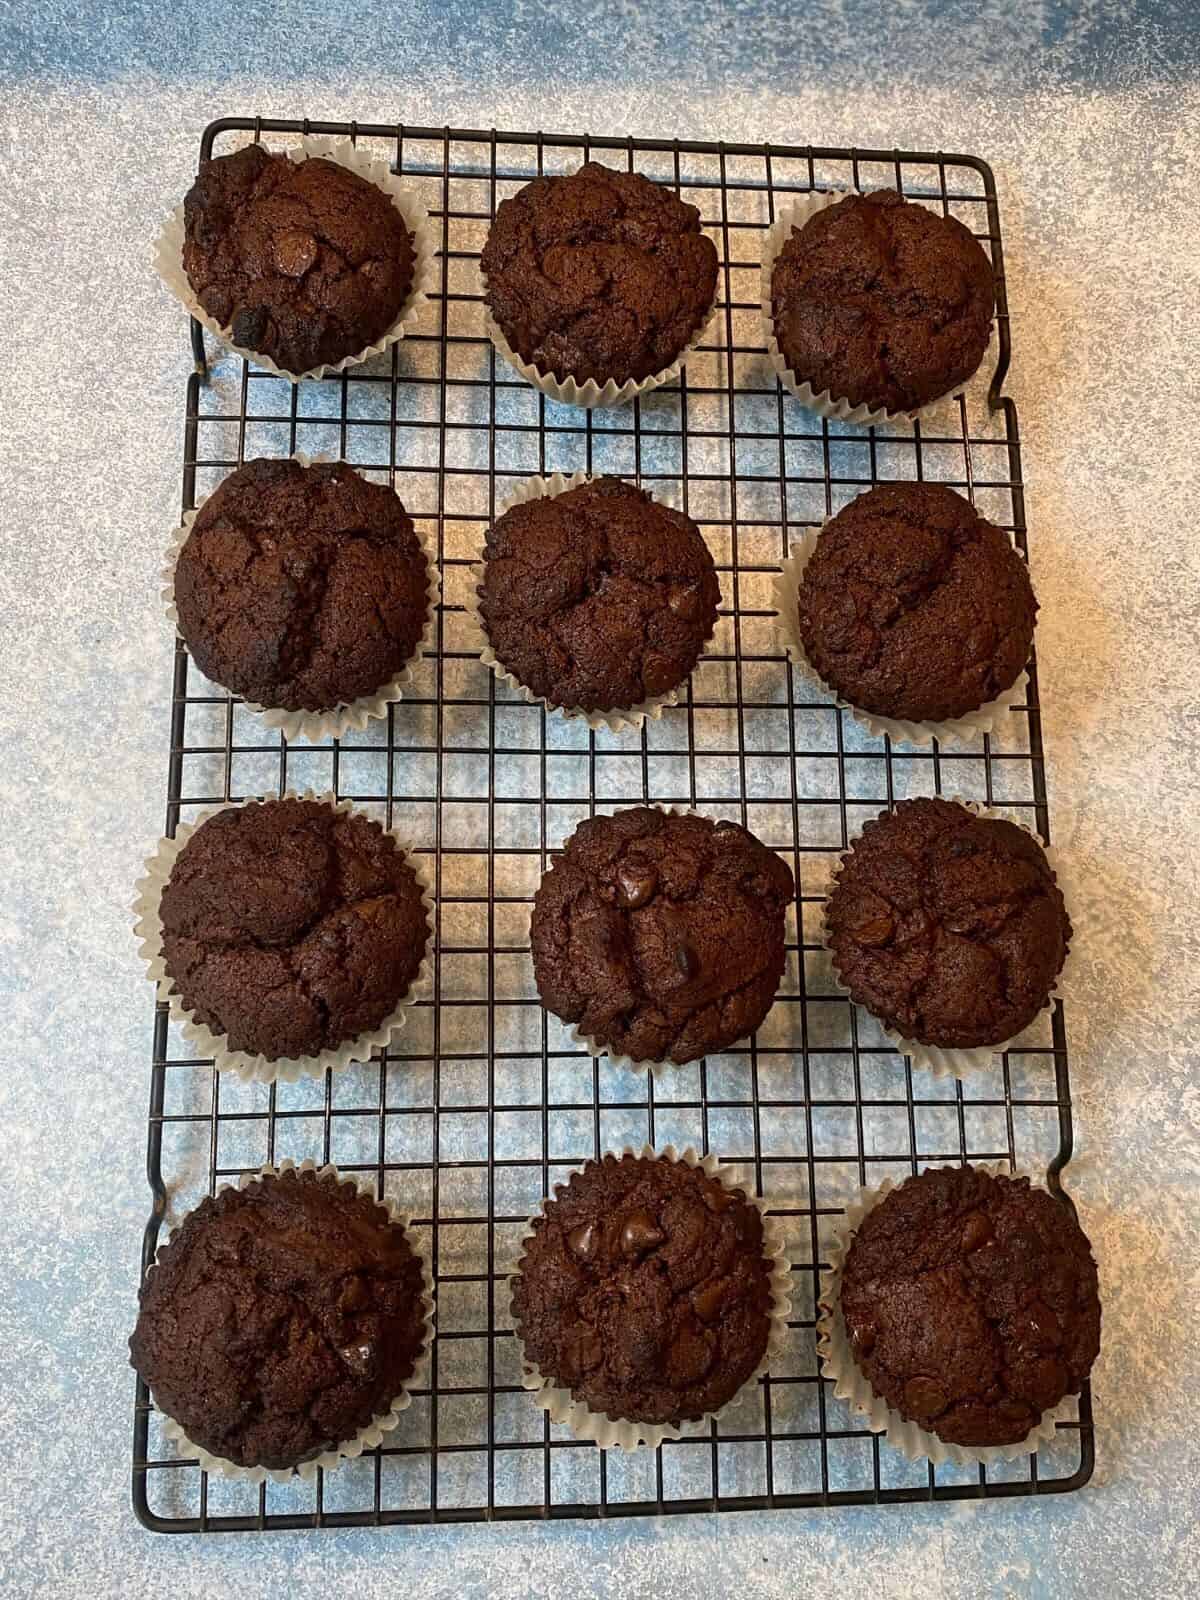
(349, 715)
(537, 488)
(373, 1434)
(168, 257)
(948, 1062)
(591, 394)
(852, 1385)
(792, 215)
(972, 725)
(559, 1404)
(248, 1067)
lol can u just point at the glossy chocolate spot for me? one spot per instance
(584, 1241)
(295, 253)
(636, 883)
(707, 1302)
(687, 961)
(640, 1234)
(876, 932)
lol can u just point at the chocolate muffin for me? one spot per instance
(305, 262)
(290, 927)
(598, 598)
(301, 588)
(882, 302)
(598, 275)
(913, 606)
(662, 936)
(644, 1290)
(971, 1304)
(280, 1319)
(947, 926)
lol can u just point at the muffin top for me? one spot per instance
(949, 927)
(280, 1319)
(662, 936)
(599, 275)
(971, 1304)
(302, 261)
(913, 606)
(301, 588)
(645, 1291)
(291, 927)
(598, 598)
(882, 302)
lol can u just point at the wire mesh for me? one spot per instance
(485, 1103)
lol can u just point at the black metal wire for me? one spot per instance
(477, 1448)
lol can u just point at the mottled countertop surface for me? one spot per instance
(1089, 115)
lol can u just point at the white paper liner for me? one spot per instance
(604, 1431)
(257, 1068)
(852, 1385)
(590, 394)
(366, 1438)
(795, 214)
(348, 715)
(973, 724)
(168, 256)
(536, 488)
(961, 1063)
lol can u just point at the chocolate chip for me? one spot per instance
(640, 1234)
(862, 1337)
(295, 253)
(707, 1302)
(876, 932)
(636, 883)
(687, 961)
(977, 1231)
(360, 1358)
(250, 326)
(583, 1240)
(924, 1397)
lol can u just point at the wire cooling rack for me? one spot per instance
(485, 1104)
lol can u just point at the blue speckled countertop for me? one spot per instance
(1089, 115)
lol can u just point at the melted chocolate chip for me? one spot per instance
(584, 1240)
(636, 883)
(640, 1234)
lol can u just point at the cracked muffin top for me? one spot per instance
(882, 302)
(301, 588)
(599, 274)
(302, 261)
(280, 1319)
(948, 927)
(971, 1304)
(644, 1290)
(598, 598)
(661, 935)
(913, 606)
(290, 927)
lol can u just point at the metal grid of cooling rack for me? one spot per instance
(485, 1104)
